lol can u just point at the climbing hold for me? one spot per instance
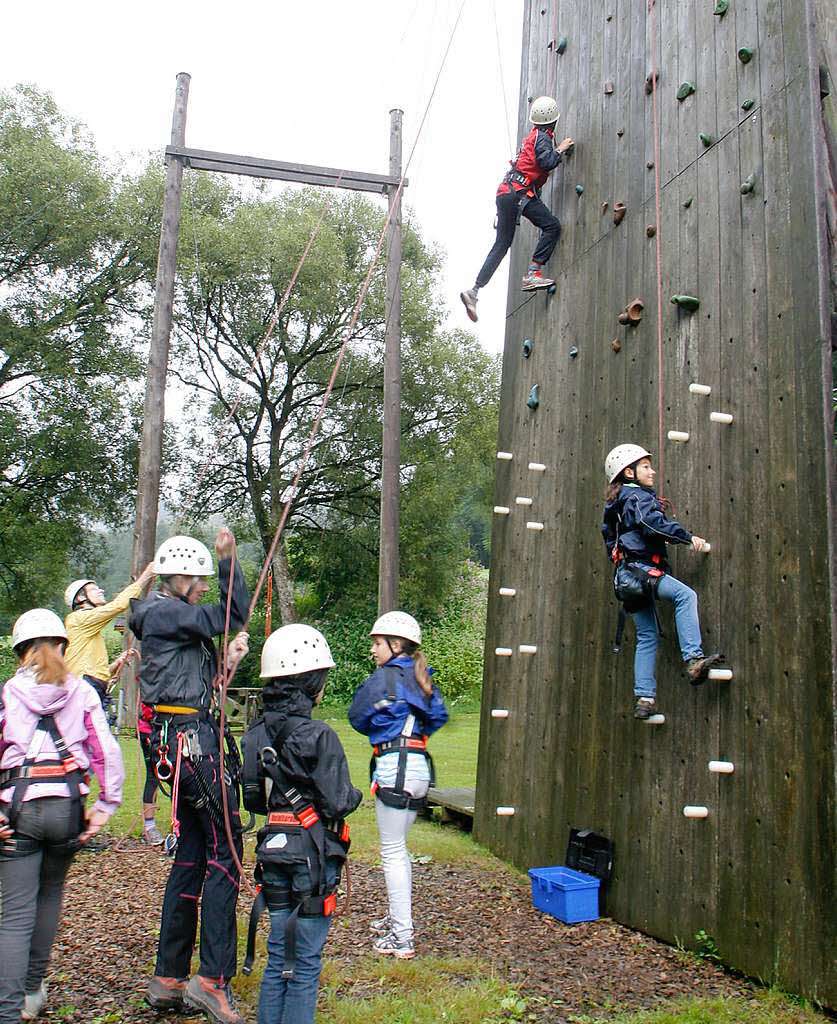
(678, 435)
(686, 89)
(687, 203)
(655, 720)
(722, 767)
(604, 207)
(534, 526)
(532, 401)
(707, 547)
(700, 389)
(706, 139)
(573, 352)
(505, 812)
(623, 317)
(537, 467)
(499, 712)
(696, 812)
(505, 456)
(579, 189)
(721, 8)
(523, 501)
(507, 591)
(650, 78)
(552, 289)
(721, 417)
(562, 45)
(528, 649)
(688, 302)
(527, 347)
(745, 54)
(748, 184)
(720, 673)
(618, 212)
(503, 652)
(634, 310)
(616, 345)
(651, 230)
(620, 132)
(608, 88)
(748, 104)
(501, 510)
(650, 165)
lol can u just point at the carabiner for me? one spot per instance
(163, 768)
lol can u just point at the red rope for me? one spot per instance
(652, 7)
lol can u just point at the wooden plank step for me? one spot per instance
(457, 801)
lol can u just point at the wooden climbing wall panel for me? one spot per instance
(758, 874)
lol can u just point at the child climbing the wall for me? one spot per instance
(519, 195)
(636, 532)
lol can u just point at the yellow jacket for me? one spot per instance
(86, 653)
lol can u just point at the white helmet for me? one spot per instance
(622, 456)
(294, 649)
(397, 624)
(544, 110)
(36, 624)
(72, 592)
(183, 556)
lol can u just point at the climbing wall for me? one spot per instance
(742, 231)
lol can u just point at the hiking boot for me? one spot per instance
(389, 945)
(152, 836)
(645, 707)
(34, 1003)
(213, 998)
(534, 280)
(381, 925)
(469, 298)
(697, 669)
(165, 993)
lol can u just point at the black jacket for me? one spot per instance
(179, 660)
(636, 517)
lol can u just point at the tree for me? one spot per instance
(74, 247)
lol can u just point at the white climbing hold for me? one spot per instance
(499, 712)
(707, 547)
(503, 652)
(655, 720)
(722, 767)
(505, 812)
(696, 812)
(501, 510)
(537, 467)
(721, 417)
(507, 591)
(534, 526)
(527, 649)
(523, 501)
(505, 456)
(720, 673)
(700, 389)
(678, 435)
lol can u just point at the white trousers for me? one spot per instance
(393, 826)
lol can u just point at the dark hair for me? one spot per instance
(413, 651)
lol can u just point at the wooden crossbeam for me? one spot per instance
(257, 167)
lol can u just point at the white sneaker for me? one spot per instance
(389, 945)
(152, 836)
(469, 299)
(34, 1003)
(380, 925)
(532, 282)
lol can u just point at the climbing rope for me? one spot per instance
(652, 8)
(502, 82)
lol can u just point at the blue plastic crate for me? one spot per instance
(569, 895)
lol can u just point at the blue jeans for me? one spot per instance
(685, 604)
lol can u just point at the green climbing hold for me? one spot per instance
(527, 347)
(532, 400)
(745, 54)
(748, 104)
(579, 189)
(748, 184)
(562, 45)
(687, 302)
(706, 138)
(687, 203)
(686, 89)
(721, 8)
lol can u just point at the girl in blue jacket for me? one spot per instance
(636, 531)
(398, 707)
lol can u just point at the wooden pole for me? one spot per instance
(151, 449)
(391, 447)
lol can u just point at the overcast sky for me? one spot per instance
(307, 82)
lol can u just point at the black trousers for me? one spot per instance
(535, 211)
(203, 871)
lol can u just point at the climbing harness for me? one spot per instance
(635, 586)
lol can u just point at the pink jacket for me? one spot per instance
(80, 720)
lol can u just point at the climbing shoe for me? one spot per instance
(213, 998)
(381, 925)
(34, 1003)
(152, 836)
(534, 280)
(389, 945)
(698, 668)
(165, 993)
(469, 298)
(645, 707)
